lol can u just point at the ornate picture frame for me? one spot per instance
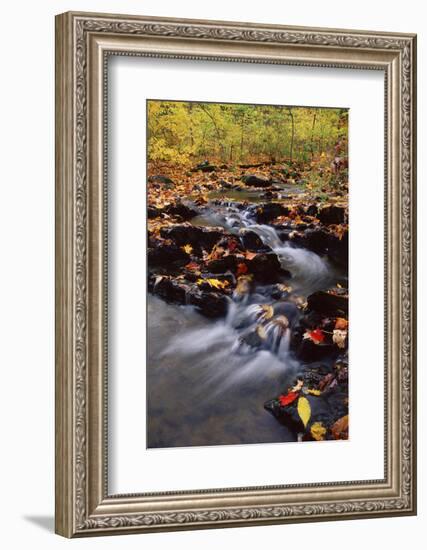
(84, 42)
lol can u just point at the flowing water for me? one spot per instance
(207, 381)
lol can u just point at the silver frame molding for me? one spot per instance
(83, 43)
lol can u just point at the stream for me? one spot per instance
(206, 381)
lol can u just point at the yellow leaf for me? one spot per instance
(261, 332)
(314, 392)
(284, 288)
(187, 248)
(304, 410)
(214, 283)
(268, 311)
(318, 431)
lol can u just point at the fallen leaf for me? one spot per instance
(187, 248)
(318, 431)
(250, 255)
(192, 266)
(339, 429)
(268, 311)
(216, 253)
(214, 283)
(341, 323)
(284, 288)
(304, 410)
(261, 332)
(242, 269)
(243, 286)
(232, 245)
(339, 337)
(315, 336)
(287, 399)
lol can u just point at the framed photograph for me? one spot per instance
(235, 274)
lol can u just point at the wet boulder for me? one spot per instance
(331, 215)
(312, 210)
(182, 210)
(225, 184)
(311, 352)
(256, 180)
(197, 237)
(338, 249)
(209, 303)
(321, 241)
(153, 212)
(204, 166)
(251, 241)
(288, 415)
(317, 240)
(167, 255)
(221, 265)
(168, 289)
(313, 375)
(251, 339)
(267, 212)
(328, 304)
(253, 165)
(160, 179)
(287, 309)
(324, 411)
(266, 268)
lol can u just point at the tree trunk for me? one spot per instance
(242, 126)
(292, 134)
(312, 136)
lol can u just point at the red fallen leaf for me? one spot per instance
(288, 398)
(242, 269)
(192, 266)
(232, 245)
(315, 335)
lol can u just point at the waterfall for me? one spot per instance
(309, 271)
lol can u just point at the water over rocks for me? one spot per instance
(271, 277)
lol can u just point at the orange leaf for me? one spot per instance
(341, 323)
(242, 269)
(192, 266)
(339, 430)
